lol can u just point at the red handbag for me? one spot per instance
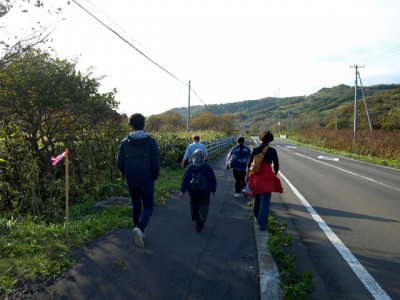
(278, 184)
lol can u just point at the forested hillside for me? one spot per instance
(319, 108)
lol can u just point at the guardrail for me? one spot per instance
(218, 144)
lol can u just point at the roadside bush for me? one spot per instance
(379, 144)
(294, 285)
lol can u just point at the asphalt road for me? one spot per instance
(345, 215)
(177, 262)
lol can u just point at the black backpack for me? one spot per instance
(198, 181)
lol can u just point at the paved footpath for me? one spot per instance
(227, 260)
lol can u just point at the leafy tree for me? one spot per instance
(227, 124)
(204, 121)
(207, 121)
(54, 106)
(17, 172)
(169, 121)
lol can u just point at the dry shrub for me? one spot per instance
(380, 144)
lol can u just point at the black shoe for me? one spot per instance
(199, 226)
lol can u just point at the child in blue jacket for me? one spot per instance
(199, 198)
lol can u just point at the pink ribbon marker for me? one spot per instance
(58, 158)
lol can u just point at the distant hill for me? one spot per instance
(321, 104)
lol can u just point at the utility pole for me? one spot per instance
(365, 104)
(188, 111)
(336, 120)
(288, 118)
(355, 102)
(279, 124)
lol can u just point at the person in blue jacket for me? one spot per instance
(237, 159)
(199, 198)
(139, 160)
(191, 148)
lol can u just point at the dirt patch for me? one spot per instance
(113, 201)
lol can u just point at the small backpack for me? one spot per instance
(198, 181)
(257, 160)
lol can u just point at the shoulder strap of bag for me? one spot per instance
(264, 150)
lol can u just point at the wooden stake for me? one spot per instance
(66, 195)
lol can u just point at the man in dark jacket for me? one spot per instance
(139, 160)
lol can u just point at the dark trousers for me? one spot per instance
(199, 205)
(142, 205)
(240, 180)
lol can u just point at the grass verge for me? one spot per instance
(294, 285)
(31, 249)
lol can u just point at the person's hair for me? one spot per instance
(137, 121)
(240, 140)
(266, 137)
(198, 158)
(196, 138)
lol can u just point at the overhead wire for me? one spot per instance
(383, 55)
(376, 58)
(126, 41)
(130, 44)
(123, 30)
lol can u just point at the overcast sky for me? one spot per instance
(230, 50)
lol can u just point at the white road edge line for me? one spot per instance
(369, 282)
(349, 172)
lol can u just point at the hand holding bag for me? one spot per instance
(248, 192)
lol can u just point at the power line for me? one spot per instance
(123, 30)
(126, 41)
(141, 52)
(383, 55)
(371, 60)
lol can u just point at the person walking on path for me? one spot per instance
(193, 147)
(199, 180)
(237, 159)
(139, 160)
(262, 183)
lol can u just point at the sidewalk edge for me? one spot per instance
(268, 270)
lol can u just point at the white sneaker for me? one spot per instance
(138, 235)
(237, 195)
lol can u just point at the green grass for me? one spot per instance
(294, 285)
(31, 249)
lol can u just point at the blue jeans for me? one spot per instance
(261, 205)
(142, 205)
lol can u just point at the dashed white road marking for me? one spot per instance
(349, 172)
(328, 158)
(369, 282)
